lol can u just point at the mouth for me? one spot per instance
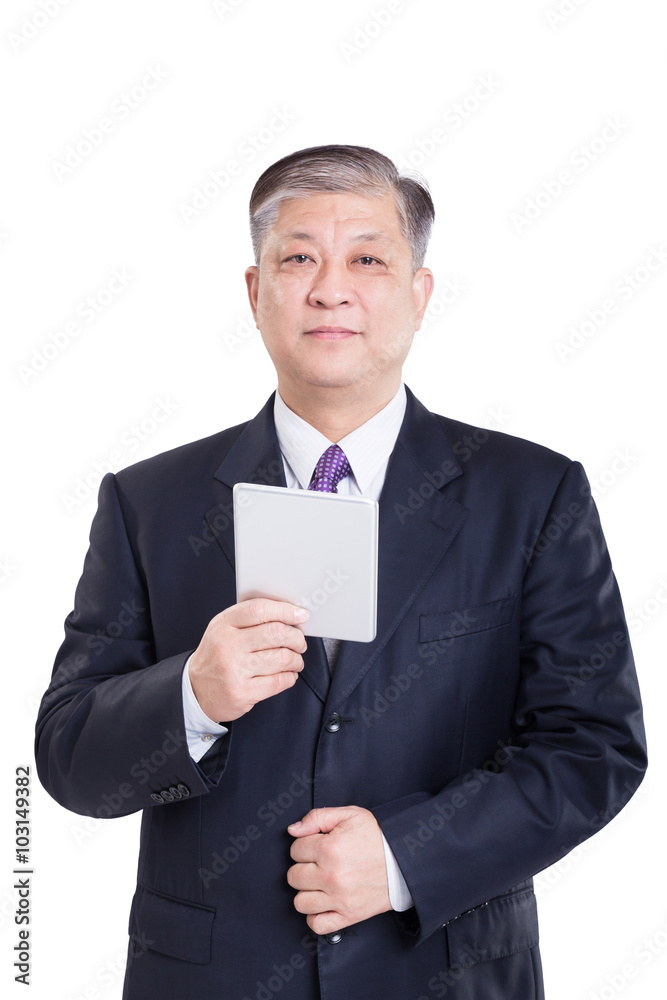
(331, 333)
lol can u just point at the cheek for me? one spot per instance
(276, 299)
(391, 316)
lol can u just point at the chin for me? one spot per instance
(328, 379)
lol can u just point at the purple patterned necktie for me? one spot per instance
(331, 468)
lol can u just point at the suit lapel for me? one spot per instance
(255, 458)
(418, 523)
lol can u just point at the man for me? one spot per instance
(349, 820)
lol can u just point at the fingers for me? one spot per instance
(316, 891)
(340, 873)
(249, 652)
(304, 877)
(272, 635)
(260, 610)
(262, 687)
(312, 902)
(321, 820)
(274, 646)
(327, 922)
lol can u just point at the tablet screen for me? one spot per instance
(319, 550)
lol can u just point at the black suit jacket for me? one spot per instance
(493, 724)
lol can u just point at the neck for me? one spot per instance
(336, 411)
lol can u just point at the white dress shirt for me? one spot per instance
(368, 449)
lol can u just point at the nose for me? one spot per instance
(332, 285)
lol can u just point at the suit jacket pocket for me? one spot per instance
(465, 621)
(172, 926)
(504, 926)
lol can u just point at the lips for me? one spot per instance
(331, 333)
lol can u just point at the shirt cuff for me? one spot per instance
(199, 729)
(399, 894)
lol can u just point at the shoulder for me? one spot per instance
(193, 463)
(483, 447)
(478, 448)
(513, 477)
(493, 466)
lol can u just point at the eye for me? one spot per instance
(298, 258)
(367, 261)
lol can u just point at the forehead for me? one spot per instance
(334, 216)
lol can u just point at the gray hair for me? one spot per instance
(342, 168)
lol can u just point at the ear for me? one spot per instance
(252, 284)
(422, 289)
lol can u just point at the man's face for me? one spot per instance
(335, 297)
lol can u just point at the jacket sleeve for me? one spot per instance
(110, 735)
(578, 749)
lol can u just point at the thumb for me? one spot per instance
(320, 821)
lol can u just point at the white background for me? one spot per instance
(177, 334)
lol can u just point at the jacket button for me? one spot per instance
(334, 723)
(167, 796)
(175, 792)
(184, 790)
(156, 797)
(334, 938)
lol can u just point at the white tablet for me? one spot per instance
(319, 550)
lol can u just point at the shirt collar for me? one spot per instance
(367, 447)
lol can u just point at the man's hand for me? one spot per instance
(249, 652)
(340, 873)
